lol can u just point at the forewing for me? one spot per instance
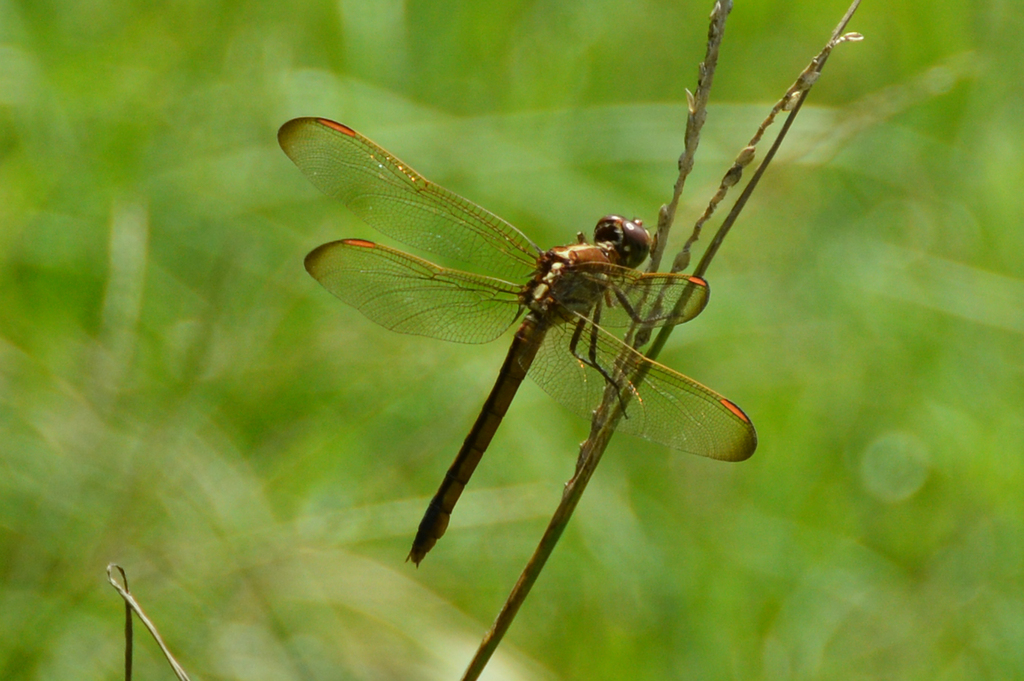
(398, 201)
(664, 407)
(632, 296)
(410, 295)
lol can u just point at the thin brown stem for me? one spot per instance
(697, 106)
(133, 606)
(606, 417)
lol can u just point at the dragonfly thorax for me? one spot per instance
(557, 285)
(617, 241)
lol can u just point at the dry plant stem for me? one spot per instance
(791, 101)
(608, 414)
(585, 464)
(129, 636)
(133, 606)
(697, 103)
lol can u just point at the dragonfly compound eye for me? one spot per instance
(627, 237)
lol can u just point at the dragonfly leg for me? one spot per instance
(643, 334)
(626, 305)
(591, 359)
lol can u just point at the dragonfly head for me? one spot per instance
(627, 238)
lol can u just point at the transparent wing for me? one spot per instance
(665, 407)
(633, 296)
(410, 295)
(398, 201)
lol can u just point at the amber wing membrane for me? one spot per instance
(646, 298)
(410, 295)
(664, 407)
(401, 203)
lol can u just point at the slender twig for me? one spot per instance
(697, 107)
(792, 101)
(129, 637)
(608, 414)
(133, 606)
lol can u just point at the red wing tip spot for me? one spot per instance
(344, 129)
(313, 257)
(699, 281)
(735, 410)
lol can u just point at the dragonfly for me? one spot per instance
(569, 296)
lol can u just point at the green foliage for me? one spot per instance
(179, 397)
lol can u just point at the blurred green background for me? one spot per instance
(178, 396)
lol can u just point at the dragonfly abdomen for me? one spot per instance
(517, 362)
